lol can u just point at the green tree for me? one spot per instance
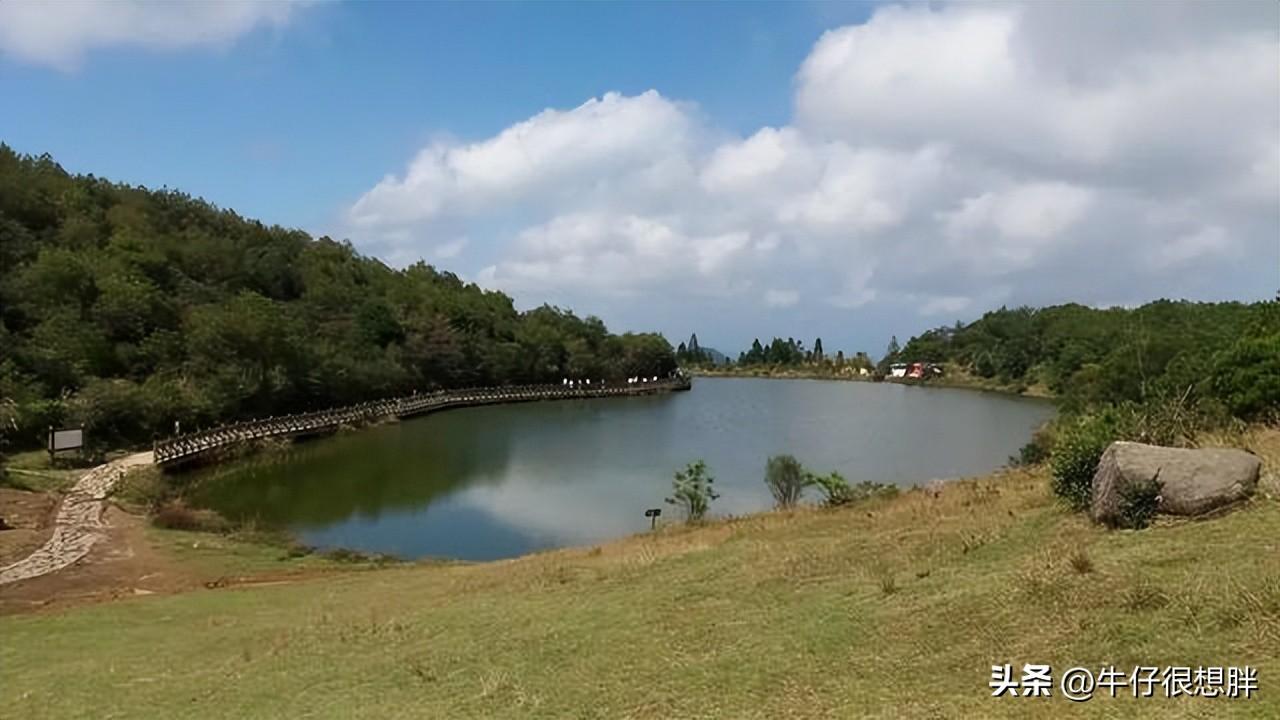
(894, 349)
(692, 491)
(786, 479)
(1246, 377)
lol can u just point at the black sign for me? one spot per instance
(653, 512)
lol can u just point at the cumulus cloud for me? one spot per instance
(451, 249)
(781, 298)
(58, 34)
(941, 160)
(612, 150)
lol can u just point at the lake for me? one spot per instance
(499, 481)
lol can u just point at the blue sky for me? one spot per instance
(734, 169)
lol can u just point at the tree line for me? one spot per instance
(792, 353)
(128, 310)
(1225, 356)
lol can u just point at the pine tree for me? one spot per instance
(817, 350)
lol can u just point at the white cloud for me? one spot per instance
(863, 191)
(1034, 211)
(613, 149)
(781, 298)
(1193, 246)
(942, 159)
(618, 255)
(945, 305)
(451, 249)
(59, 34)
(1010, 228)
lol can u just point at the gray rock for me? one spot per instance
(1193, 481)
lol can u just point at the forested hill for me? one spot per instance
(128, 309)
(1226, 354)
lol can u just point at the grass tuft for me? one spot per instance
(1081, 562)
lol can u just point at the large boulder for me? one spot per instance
(1192, 481)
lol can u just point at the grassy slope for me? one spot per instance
(776, 615)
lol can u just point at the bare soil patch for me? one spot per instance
(29, 515)
(124, 564)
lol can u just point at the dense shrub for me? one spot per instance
(176, 515)
(1077, 449)
(1247, 378)
(834, 487)
(1037, 450)
(786, 479)
(1138, 504)
(691, 491)
(867, 489)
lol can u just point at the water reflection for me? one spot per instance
(492, 482)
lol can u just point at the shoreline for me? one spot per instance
(947, 381)
(285, 538)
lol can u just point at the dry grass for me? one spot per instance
(1081, 562)
(777, 615)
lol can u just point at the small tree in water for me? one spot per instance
(786, 479)
(691, 490)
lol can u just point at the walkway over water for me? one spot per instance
(191, 445)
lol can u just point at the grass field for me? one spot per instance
(893, 608)
(32, 471)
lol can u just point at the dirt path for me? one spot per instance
(79, 523)
(124, 563)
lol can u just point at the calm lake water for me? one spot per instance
(491, 482)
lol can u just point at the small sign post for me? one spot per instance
(67, 439)
(652, 514)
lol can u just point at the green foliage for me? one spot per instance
(128, 310)
(692, 492)
(1037, 450)
(866, 490)
(837, 491)
(1246, 377)
(1091, 358)
(786, 479)
(1138, 503)
(8, 423)
(1079, 445)
(691, 353)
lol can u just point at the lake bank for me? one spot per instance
(806, 613)
(952, 378)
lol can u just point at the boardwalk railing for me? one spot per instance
(190, 445)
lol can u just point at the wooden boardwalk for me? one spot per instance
(191, 445)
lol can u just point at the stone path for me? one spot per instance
(79, 523)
